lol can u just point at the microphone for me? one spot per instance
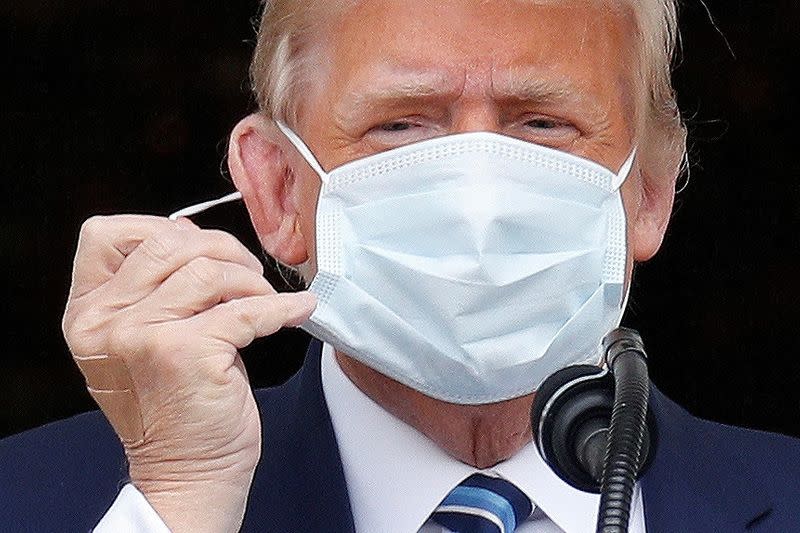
(590, 425)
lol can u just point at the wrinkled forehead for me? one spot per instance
(473, 33)
(338, 5)
(428, 46)
(339, 10)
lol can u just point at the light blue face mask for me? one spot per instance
(469, 267)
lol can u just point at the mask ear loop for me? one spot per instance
(304, 150)
(203, 206)
(293, 138)
(616, 183)
(624, 171)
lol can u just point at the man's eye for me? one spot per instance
(543, 123)
(398, 132)
(547, 131)
(395, 126)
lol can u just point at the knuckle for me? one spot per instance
(71, 328)
(121, 339)
(162, 246)
(81, 345)
(225, 241)
(75, 337)
(203, 272)
(93, 227)
(82, 331)
(69, 319)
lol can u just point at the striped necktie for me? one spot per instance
(483, 504)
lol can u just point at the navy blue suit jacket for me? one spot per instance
(705, 477)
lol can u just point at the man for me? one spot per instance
(362, 439)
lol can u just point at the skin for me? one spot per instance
(413, 77)
(168, 304)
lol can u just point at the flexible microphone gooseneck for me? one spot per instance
(590, 426)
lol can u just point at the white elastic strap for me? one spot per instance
(626, 296)
(304, 150)
(234, 196)
(624, 171)
(199, 208)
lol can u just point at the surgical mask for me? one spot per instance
(468, 267)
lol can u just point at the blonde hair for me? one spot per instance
(285, 36)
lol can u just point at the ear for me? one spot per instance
(649, 222)
(261, 172)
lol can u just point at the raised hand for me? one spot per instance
(156, 313)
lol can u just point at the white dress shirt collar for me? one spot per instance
(396, 476)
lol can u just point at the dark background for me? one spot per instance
(111, 106)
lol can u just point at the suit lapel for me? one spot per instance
(697, 480)
(299, 484)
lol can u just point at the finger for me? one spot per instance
(103, 244)
(199, 285)
(160, 255)
(239, 322)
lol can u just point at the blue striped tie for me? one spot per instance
(483, 504)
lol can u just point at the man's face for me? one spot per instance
(393, 72)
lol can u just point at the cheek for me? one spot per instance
(632, 202)
(307, 217)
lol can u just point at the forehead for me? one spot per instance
(586, 40)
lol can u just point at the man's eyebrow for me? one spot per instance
(537, 89)
(395, 93)
(391, 84)
(403, 86)
(560, 91)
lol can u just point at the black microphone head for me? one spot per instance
(620, 341)
(567, 402)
